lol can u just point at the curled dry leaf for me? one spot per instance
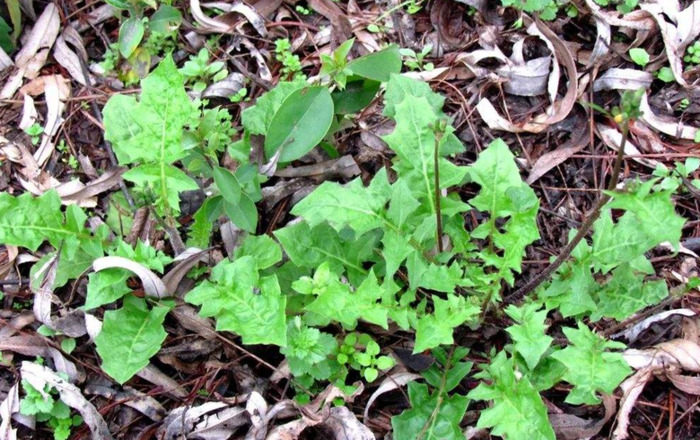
(181, 421)
(152, 284)
(39, 376)
(571, 427)
(340, 421)
(42, 286)
(69, 59)
(667, 360)
(221, 24)
(526, 78)
(391, 383)
(8, 407)
(345, 426)
(612, 138)
(559, 108)
(633, 333)
(344, 167)
(666, 125)
(631, 388)
(132, 398)
(623, 79)
(184, 262)
(31, 58)
(225, 88)
(36, 346)
(677, 34)
(86, 193)
(56, 90)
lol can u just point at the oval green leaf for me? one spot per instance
(379, 65)
(300, 124)
(165, 19)
(356, 96)
(130, 35)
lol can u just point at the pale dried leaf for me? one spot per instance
(42, 286)
(345, 425)
(344, 167)
(70, 61)
(29, 113)
(612, 138)
(42, 35)
(633, 333)
(571, 427)
(687, 384)
(249, 13)
(8, 407)
(36, 346)
(623, 79)
(631, 388)
(5, 60)
(157, 377)
(152, 284)
(392, 382)
(132, 398)
(102, 184)
(225, 88)
(666, 125)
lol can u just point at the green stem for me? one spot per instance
(438, 213)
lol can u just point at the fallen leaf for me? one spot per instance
(391, 383)
(8, 407)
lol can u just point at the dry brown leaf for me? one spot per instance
(578, 139)
(184, 262)
(560, 108)
(221, 24)
(343, 167)
(675, 38)
(612, 138)
(225, 88)
(157, 377)
(340, 24)
(69, 59)
(571, 427)
(132, 398)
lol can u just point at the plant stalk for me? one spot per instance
(438, 212)
(535, 282)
